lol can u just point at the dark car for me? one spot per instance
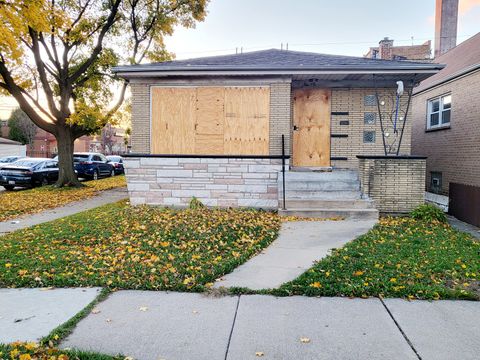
(29, 172)
(117, 162)
(9, 159)
(92, 165)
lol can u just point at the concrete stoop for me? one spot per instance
(325, 194)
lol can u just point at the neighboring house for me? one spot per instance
(212, 128)
(11, 148)
(446, 128)
(386, 51)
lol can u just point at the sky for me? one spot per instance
(343, 27)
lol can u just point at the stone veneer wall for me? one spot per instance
(395, 184)
(224, 182)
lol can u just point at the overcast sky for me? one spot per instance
(346, 27)
(343, 27)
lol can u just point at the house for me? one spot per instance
(387, 51)
(446, 129)
(219, 129)
(11, 148)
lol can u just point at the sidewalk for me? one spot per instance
(175, 326)
(299, 244)
(105, 197)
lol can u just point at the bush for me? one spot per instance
(195, 204)
(428, 212)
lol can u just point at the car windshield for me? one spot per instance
(7, 159)
(26, 163)
(80, 157)
(114, 158)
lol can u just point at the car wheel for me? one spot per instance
(95, 175)
(8, 187)
(112, 173)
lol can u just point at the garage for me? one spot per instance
(210, 120)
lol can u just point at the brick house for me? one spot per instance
(219, 128)
(446, 128)
(387, 51)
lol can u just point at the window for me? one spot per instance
(435, 182)
(439, 110)
(370, 100)
(369, 137)
(369, 118)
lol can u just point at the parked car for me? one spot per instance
(29, 172)
(92, 165)
(117, 162)
(9, 159)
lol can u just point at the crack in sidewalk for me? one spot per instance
(233, 325)
(400, 329)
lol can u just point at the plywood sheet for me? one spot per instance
(311, 135)
(246, 129)
(173, 120)
(210, 110)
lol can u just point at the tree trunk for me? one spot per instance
(66, 176)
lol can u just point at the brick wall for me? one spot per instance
(215, 182)
(352, 101)
(455, 151)
(140, 137)
(280, 117)
(394, 184)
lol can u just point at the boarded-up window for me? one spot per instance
(210, 120)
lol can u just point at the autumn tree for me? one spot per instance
(56, 58)
(21, 128)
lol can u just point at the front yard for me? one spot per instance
(400, 257)
(119, 246)
(18, 203)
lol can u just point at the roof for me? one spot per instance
(408, 52)
(274, 62)
(9, 142)
(460, 60)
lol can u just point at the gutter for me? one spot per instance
(452, 77)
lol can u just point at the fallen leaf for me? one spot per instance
(143, 308)
(95, 311)
(304, 340)
(259, 353)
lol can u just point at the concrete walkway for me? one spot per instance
(465, 227)
(105, 197)
(300, 244)
(159, 325)
(30, 314)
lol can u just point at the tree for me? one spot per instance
(21, 128)
(61, 51)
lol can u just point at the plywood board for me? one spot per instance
(173, 120)
(210, 110)
(246, 128)
(311, 135)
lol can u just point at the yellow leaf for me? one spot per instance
(259, 353)
(316, 284)
(358, 273)
(304, 340)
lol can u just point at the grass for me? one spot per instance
(118, 246)
(34, 351)
(400, 257)
(18, 203)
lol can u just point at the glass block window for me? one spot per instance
(370, 100)
(369, 137)
(369, 118)
(435, 182)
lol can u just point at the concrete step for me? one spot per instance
(336, 175)
(351, 185)
(329, 204)
(357, 214)
(321, 195)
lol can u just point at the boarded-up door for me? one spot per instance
(311, 131)
(210, 120)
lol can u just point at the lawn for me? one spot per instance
(17, 203)
(125, 247)
(33, 351)
(400, 257)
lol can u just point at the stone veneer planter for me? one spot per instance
(215, 181)
(396, 184)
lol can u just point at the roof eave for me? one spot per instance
(158, 72)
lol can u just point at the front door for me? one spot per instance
(311, 127)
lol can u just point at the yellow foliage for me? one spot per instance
(19, 203)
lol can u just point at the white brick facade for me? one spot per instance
(247, 182)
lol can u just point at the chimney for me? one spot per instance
(385, 49)
(446, 14)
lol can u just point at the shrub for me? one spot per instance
(428, 212)
(195, 204)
